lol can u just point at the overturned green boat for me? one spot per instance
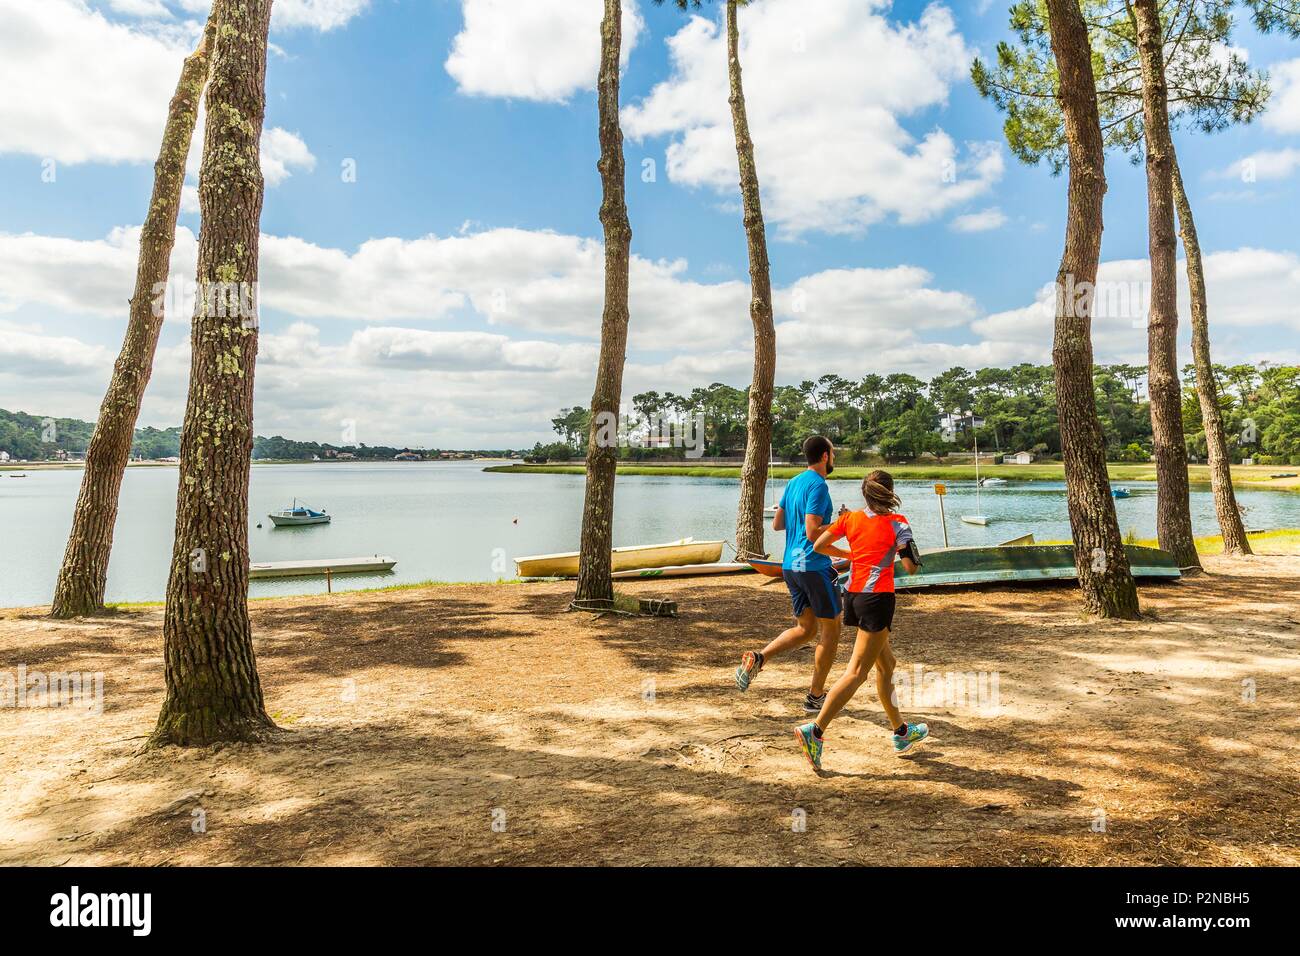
(1020, 564)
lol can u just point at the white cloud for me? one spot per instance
(463, 351)
(154, 9)
(320, 15)
(520, 314)
(281, 151)
(1283, 114)
(1264, 165)
(1251, 300)
(93, 277)
(80, 88)
(544, 50)
(983, 221)
(838, 74)
(36, 355)
(541, 281)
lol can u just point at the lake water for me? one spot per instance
(454, 522)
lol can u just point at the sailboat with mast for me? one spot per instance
(979, 517)
(769, 509)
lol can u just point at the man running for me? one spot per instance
(804, 512)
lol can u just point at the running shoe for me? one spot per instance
(812, 744)
(915, 734)
(749, 667)
(813, 705)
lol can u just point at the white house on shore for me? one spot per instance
(1019, 458)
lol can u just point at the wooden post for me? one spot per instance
(329, 582)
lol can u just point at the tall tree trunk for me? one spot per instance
(1102, 563)
(758, 440)
(1207, 389)
(595, 586)
(1173, 504)
(213, 690)
(83, 576)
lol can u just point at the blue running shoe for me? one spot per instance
(749, 667)
(915, 734)
(812, 744)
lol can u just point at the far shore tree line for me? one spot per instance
(41, 438)
(1079, 79)
(900, 417)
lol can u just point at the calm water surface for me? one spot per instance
(454, 522)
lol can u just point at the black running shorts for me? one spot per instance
(870, 612)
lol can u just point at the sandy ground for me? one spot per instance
(481, 724)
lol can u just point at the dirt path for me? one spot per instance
(480, 724)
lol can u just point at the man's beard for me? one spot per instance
(830, 469)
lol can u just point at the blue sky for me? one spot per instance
(472, 313)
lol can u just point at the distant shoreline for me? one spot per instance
(1253, 476)
(66, 465)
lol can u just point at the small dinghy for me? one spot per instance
(1121, 493)
(297, 515)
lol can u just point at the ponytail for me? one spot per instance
(878, 490)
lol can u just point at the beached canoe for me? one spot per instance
(316, 568)
(1019, 565)
(687, 571)
(687, 551)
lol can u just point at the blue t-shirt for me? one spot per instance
(805, 495)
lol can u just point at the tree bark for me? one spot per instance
(1173, 504)
(758, 439)
(595, 586)
(1105, 577)
(212, 688)
(1207, 390)
(84, 573)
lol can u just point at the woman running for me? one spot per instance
(877, 535)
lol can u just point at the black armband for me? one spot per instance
(912, 552)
